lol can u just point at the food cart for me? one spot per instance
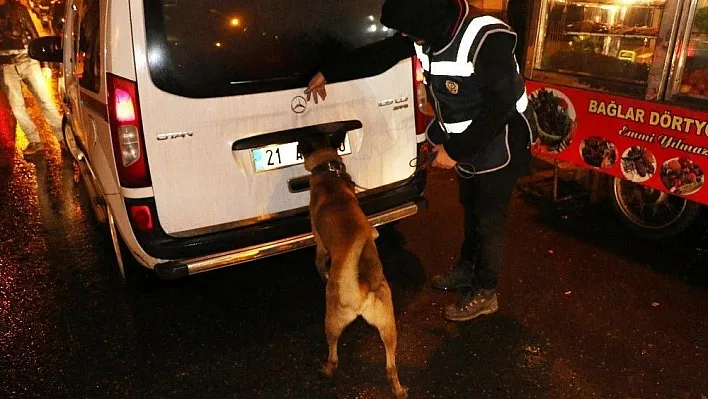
(621, 87)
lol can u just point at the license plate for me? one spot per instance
(283, 155)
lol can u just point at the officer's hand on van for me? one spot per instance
(442, 160)
(316, 87)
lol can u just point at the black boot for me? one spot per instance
(459, 277)
(472, 305)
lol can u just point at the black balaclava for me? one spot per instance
(435, 21)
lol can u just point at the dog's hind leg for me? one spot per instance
(335, 322)
(380, 315)
(374, 232)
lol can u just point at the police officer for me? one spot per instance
(473, 78)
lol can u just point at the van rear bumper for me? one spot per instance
(215, 250)
(177, 269)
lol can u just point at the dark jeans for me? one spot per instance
(485, 200)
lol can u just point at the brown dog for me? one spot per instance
(356, 285)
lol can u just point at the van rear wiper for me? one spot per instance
(290, 78)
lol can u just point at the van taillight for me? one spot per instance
(126, 132)
(141, 217)
(424, 112)
(125, 111)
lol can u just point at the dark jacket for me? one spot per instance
(16, 30)
(487, 97)
(518, 16)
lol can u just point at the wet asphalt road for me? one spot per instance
(587, 311)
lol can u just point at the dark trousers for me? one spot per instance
(485, 200)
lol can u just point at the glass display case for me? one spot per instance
(611, 45)
(690, 73)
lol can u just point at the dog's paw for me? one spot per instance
(401, 393)
(324, 274)
(323, 270)
(329, 368)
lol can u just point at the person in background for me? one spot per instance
(16, 31)
(57, 17)
(472, 76)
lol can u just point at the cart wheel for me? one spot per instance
(652, 213)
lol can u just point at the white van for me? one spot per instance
(184, 118)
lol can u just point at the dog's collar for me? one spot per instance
(333, 166)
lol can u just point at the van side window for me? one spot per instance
(89, 54)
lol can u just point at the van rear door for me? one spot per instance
(216, 72)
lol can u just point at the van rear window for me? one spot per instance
(212, 48)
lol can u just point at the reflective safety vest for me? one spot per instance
(457, 98)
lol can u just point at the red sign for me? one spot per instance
(655, 144)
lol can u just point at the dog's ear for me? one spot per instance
(310, 143)
(336, 139)
(319, 140)
(304, 147)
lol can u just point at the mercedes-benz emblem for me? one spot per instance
(298, 104)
